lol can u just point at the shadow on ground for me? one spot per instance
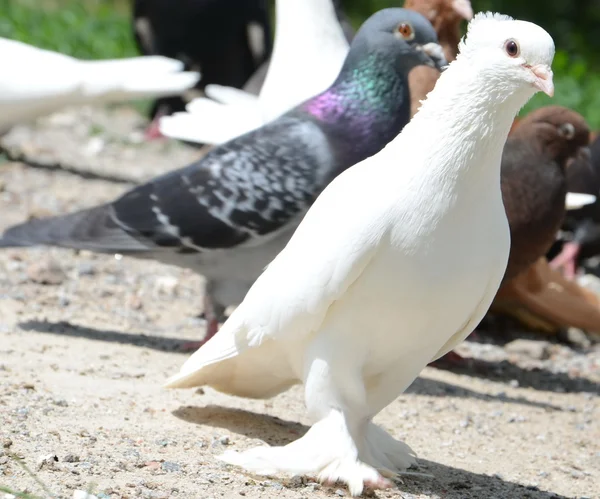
(502, 372)
(448, 482)
(436, 388)
(141, 340)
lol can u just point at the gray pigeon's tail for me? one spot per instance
(94, 229)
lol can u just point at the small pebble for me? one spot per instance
(82, 494)
(170, 467)
(71, 458)
(531, 348)
(223, 440)
(47, 461)
(466, 422)
(340, 492)
(86, 268)
(46, 272)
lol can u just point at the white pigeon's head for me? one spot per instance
(515, 56)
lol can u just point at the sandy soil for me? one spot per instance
(87, 340)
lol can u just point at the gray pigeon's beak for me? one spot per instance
(436, 54)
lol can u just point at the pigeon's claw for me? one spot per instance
(567, 260)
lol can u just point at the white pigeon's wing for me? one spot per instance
(577, 200)
(476, 317)
(230, 95)
(210, 122)
(133, 78)
(324, 257)
(37, 81)
(32, 73)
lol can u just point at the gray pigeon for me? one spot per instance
(229, 214)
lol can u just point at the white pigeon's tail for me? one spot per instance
(135, 78)
(232, 113)
(235, 369)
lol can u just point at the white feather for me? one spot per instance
(576, 200)
(36, 82)
(394, 264)
(308, 53)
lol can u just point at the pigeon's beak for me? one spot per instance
(463, 9)
(543, 79)
(436, 54)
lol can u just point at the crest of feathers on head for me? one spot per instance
(477, 24)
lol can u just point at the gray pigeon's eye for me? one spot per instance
(405, 30)
(512, 48)
(567, 130)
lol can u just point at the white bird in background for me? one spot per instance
(308, 53)
(36, 82)
(395, 263)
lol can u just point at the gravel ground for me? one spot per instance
(87, 340)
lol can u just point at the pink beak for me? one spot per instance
(463, 9)
(543, 79)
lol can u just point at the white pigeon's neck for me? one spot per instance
(470, 120)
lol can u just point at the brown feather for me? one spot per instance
(534, 184)
(446, 22)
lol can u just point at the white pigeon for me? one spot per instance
(36, 82)
(308, 53)
(395, 264)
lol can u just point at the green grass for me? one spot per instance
(48, 494)
(88, 29)
(39, 482)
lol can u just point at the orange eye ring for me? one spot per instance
(405, 30)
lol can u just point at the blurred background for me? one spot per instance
(98, 29)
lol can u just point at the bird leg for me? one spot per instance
(343, 445)
(153, 130)
(328, 450)
(567, 259)
(213, 313)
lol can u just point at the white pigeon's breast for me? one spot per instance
(408, 304)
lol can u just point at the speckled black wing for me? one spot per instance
(238, 193)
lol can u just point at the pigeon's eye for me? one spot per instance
(406, 31)
(512, 48)
(567, 130)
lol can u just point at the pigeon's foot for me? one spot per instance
(356, 475)
(329, 452)
(153, 131)
(211, 329)
(567, 260)
(389, 456)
